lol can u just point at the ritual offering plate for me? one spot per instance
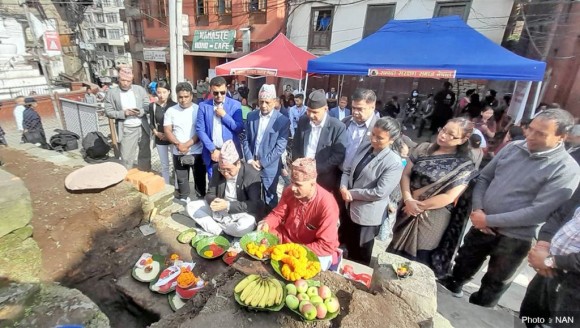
(230, 257)
(175, 302)
(186, 236)
(403, 270)
(311, 300)
(294, 261)
(257, 244)
(212, 247)
(260, 293)
(148, 267)
(168, 279)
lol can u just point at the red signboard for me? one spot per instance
(52, 43)
(413, 73)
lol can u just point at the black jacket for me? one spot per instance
(330, 152)
(249, 191)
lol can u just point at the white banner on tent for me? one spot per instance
(519, 100)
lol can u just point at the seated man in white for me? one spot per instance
(233, 200)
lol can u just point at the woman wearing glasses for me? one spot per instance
(429, 225)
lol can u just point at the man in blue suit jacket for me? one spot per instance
(218, 120)
(340, 112)
(267, 133)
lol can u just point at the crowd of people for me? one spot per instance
(351, 174)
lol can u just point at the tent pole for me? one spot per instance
(536, 98)
(341, 86)
(300, 84)
(305, 86)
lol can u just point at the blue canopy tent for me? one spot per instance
(442, 47)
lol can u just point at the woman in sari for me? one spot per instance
(428, 227)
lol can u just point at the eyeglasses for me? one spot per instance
(226, 171)
(445, 132)
(217, 93)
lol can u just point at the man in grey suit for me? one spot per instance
(340, 112)
(358, 130)
(128, 105)
(323, 138)
(267, 133)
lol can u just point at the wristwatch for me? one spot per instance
(549, 262)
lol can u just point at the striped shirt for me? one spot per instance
(567, 239)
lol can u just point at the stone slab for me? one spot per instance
(56, 305)
(19, 260)
(140, 294)
(14, 298)
(418, 291)
(15, 204)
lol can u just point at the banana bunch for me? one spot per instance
(260, 292)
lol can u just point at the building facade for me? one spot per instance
(105, 38)
(326, 27)
(214, 32)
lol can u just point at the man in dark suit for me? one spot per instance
(218, 120)
(233, 200)
(266, 138)
(340, 111)
(323, 138)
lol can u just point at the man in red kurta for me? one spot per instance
(307, 214)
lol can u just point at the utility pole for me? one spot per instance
(176, 70)
(37, 53)
(172, 48)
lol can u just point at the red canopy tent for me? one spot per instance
(279, 58)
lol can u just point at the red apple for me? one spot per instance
(301, 305)
(324, 292)
(309, 311)
(321, 311)
(301, 285)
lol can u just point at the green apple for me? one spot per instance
(309, 312)
(316, 299)
(303, 297)
(332, 304)
(312, 291)
(291, 289)
(292, 302)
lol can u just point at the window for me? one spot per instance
(106, 3)
(453, 8)
(162, 11)
(99, 18)
(147, 13)
(257, 5)
(119, 3)
(224, 7)
(101, 33)
(320, 28)
(139, 30)
(377, 17)
(111, 18)
(120, 50)
(115, 34)
(201, 8)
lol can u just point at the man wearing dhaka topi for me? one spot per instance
(307, 214)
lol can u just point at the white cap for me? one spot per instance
(268, 91)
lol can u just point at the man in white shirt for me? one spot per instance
(340, 111)
(18, 112)
(296, 112)
(233, 200)
(331, 97)
(128, 105)
(323, 138)
(179, 127)
(266, 139)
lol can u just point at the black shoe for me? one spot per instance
(454, 289)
